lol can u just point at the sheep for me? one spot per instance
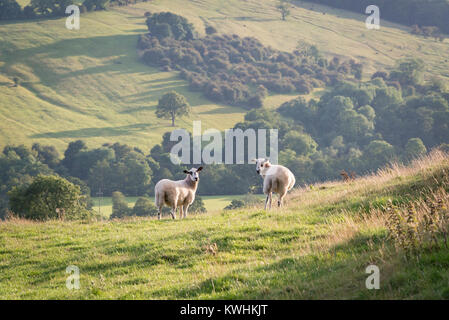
(176, 194)
(276, 178)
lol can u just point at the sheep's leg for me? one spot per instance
(186, 208)
(281, 200)
(181, 212)
(271, 198)
(266, 201)
(159, 210)
(173, 212)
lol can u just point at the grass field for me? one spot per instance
(212, 203)
(90, 85)
(317, 246)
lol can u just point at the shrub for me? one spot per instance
(120, 207)
(235, 204)
(198, 206)
(210, 30)
(144, 207)
(48, 197)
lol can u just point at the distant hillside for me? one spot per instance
(90, 84)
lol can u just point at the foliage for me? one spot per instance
(172, 105)
(144, 207)
(168, 25)
(408, 12)
(198, 205)
(241, 71)
(9, 9)
(284, 8)
(48, 197)
(235, 204)
(120, 207)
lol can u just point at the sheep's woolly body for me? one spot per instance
(277, 179)
(175, 193)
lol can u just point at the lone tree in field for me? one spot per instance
(16, 81)
(284, 8)
(172, 105)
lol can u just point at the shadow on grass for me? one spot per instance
(339, 269)
(96, 132)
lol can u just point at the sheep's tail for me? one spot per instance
(292, 182)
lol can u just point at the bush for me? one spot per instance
(144, 207)
(120, 207)
(48, 197)
(198, 206)
(235, 204)
(169, 25)
(210, 30)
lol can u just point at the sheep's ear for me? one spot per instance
(199, 169)
(254, 160)
(185, 171)
(267, 165)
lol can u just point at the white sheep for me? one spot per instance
(176, 194)
(276, 178)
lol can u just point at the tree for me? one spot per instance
(284, 8)
(235, 204)
(48, 197)
(46, 154)
(378, 152)
(301, 143)
(72, 150)
(173, 25)
(172, 105)
(144, 207)
(198, 206)
(96, 4)
(9, 9)
(16, 81)
(210, 30)
(119, 205)
(408, 72)
(414, 148)
(43, 7)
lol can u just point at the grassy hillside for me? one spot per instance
(318, 246)
(89, 84)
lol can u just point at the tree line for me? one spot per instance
(408, 12)
(11, 10)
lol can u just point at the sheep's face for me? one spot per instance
(262, 165)
(194, 173)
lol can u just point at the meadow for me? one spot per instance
(89, 84)
(103, 205)
(316, 247)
